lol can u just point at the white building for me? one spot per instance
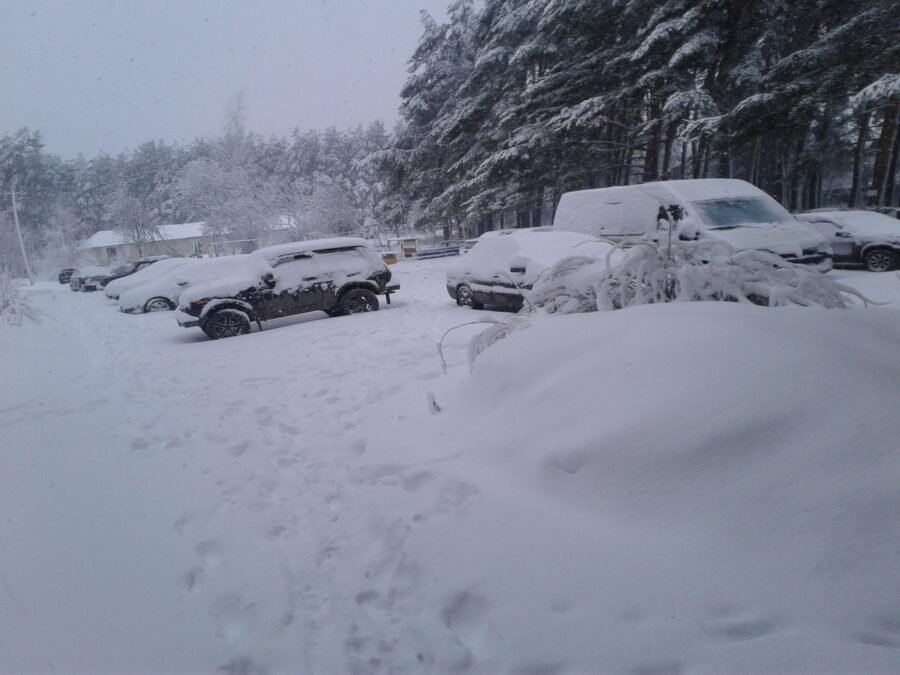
(108, 247)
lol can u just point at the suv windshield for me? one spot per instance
(738, 211)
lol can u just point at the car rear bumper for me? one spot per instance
(185, 320)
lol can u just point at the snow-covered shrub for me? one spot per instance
(496, 332)
(14, 307)
(658, 272)
(684, 271)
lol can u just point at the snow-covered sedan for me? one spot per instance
(866, 238)
(504, 265)
(342, 275)
(118, 286)
(161, 292)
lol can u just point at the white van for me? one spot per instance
(722, 209)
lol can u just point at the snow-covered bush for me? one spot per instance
(684, 271)
(658, 272)
(14, 307)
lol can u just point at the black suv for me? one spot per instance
(337, 276)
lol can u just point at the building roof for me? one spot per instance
(174, 232)
(105, 238)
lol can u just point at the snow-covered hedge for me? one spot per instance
(686, 271)
(14, 307)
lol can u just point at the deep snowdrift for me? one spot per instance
(697, 487)
(688, 488)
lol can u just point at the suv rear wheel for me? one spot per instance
(358, 300)
(226, 323)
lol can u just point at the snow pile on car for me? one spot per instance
(530, 250)
(172, 283)
(688, 487)
(240, 275)
(117, 287)
(338, 267)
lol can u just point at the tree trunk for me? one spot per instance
(856, 185)
(667, 151)
(753, 170)
(696, 158)
(651, 154)
(891, 195)
(884, 151)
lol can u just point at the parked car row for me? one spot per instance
(224, 296)
(94, 278)
(500, 266)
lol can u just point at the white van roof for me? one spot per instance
(630, 209)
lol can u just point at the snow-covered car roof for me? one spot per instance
(534, 249)
(862, 222)
(145, 274)
(271, 253)
(175, 280)
(698, 189)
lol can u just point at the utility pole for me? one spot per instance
(19, 234)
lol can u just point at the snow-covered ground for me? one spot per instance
(695, 488)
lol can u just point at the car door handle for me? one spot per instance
(310, 278)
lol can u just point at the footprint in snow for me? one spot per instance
(882, 631)
(731, 624)
(241, 665)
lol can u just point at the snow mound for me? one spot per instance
(14, 307)
(710, 487)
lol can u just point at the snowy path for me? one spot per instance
(184, 500)
(173, 504)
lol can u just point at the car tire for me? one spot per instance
(465, 298)
(358, 300)
(158, 305)
(226, 323)
(880, 260)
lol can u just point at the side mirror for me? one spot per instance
(269, 280)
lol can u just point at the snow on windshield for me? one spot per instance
(737, 212)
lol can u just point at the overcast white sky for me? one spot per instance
(95, 75)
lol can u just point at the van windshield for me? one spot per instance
(739, 211)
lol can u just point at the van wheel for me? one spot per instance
(879, 260)
(465, 298)
(358, 300)
(226, 323)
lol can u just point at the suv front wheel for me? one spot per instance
(358, 300)
(226, 323)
